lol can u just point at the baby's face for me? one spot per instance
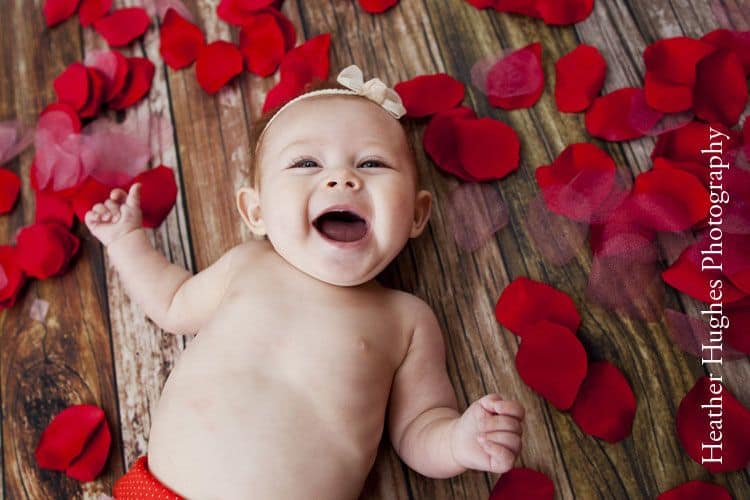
(328, 154)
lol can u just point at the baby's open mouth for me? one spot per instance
(341, 225)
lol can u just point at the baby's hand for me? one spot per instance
(117, 216)
(487, 436)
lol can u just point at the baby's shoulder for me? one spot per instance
(413, 309)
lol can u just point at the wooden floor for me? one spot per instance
(95, 346)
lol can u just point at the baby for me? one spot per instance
(300, 354)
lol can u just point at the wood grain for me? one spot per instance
(95, 335)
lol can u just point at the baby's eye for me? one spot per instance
(305, 164)
(372, 163)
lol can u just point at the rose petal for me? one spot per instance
(67, 435)
(691, 333)
(426, 95)
(180, 39)
(262, 44)
(137, 84)
(218, 62)
(552, 361)
(96, 96)
(720, 92)
(72, 86)
(696, 433)
(605, 405)
(579, 78)
(475, 213)
(524, 302)
(14, 139)
(737, 334)
(696, 490)
(377, 6)
(441, 144)
(648, 121)
(487, 148)
(669, 200)
(113, 66)
(558, 12)
(608, 116)
(738, 41)
(13, 277)
(57, 11)
(517, 80)
(51, 207)
(523, 483)
(158, 194)
(123, 26)
(89, 194)
(92, 10)
(10, 186)
(682, 144)
(237, 11)
(89, 464)
(45, 249)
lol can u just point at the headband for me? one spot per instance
(351, 77)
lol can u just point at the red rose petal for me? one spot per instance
(92, 10)
(605, 405)
(487, 148)
(691, 333)
(648, 121)
(682, 144)
(218, 62)
(180, 39)
(51, 207)
(669, 200)
(552, 361)
(441, 144)
(11, 276)
(738, 41)
(720, 92)
(578, 181)
(579, 78)
(377, 6)
(88, 465)
(426, 95)
(138, 83)
(608, 116)
(57, 11)
(517, 80)
(123, 26)
(10, 185)
(696, 490)
(670, 72)
(287, 28)
(262, 44)
(524, 302)
(96, 96)
(521, 483)
(300, 66)
(158, 194)
(731, 442)
(72, 86)
(237, 11)
(736, 265)
(66, 436)
(558, 12)
(89, 194)
(45, 249)
(737, 334)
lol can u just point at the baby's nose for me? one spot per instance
(345, 178)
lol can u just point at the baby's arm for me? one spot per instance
(167, 293)
(426, 429)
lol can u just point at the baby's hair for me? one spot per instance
(253, 173)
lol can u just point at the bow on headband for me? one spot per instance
(374, 89)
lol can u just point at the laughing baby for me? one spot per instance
(301, 357)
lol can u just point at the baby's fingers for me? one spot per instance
(493, 403)
(134, 196)
(501, 459)
(492, 423)
(508, 439)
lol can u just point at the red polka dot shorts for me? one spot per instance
(140, 484)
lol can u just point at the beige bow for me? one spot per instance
(374, 89)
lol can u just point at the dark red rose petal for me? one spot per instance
(96, 95)
(524, 302)
(578, 181)
(72, 86)
(669, 200)
(487, 148)
(521, 483)
(377, 6)
(738, 41)
(441, 144)
(605, 405)
(647, 120)
(557, 12)
(691, 333)
(12, 277)
(720, 92)
(88, 465)
(736, 265)
(426, 95)
(262, 44)
(57, 11)
(123, 26)
(181, 40)
(579, 78)
(694, 427)
(737, 334)
(158, 194)
(51, 207)
(66, 437)
(45, 249)
(218, 62)
(92, 10)
(89, 194)
(237, 11)
(608, 116)
(10, 185)
(682, 144)
(517, 80)
(113, 67)
(300, 66)
(484, 4)
(287, 28)
(696, 490)
(137, 84)
(552, 361)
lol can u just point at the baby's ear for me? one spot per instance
(248, 203)
(422, 211)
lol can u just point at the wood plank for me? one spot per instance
(65, 360)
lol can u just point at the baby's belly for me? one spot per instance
(289, 424)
